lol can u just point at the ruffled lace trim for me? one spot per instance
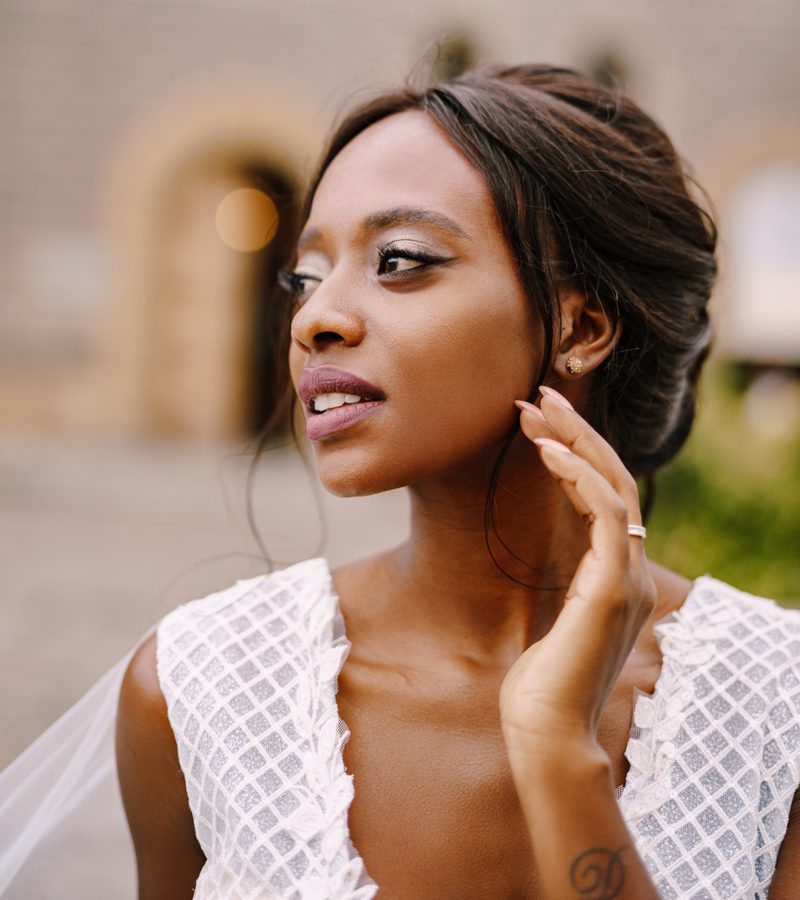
(686, 639)
(326, 800)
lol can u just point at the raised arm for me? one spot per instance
(553, 695)
(168, 856)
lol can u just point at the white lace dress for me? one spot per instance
(250, 678)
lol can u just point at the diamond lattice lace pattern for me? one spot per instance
(715, 750)
(250, 677)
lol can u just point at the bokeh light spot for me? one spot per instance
(246, 219)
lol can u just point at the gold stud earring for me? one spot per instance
(573, 365)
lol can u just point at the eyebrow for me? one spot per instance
(398, 215)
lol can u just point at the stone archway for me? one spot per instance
(217, 242)
(180, 356)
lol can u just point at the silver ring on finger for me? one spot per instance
(637, 531)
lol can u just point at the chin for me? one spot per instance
(356, 483)
(349, 474)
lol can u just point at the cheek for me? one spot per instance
(452, 370)
(451, 405)
(461, 375)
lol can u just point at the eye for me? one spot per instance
(296, 284)
(390, 258)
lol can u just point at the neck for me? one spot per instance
(443, 583)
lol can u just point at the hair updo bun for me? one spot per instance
(589, 191)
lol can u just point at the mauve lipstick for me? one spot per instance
(330, 380)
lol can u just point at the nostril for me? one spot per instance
(327, 337)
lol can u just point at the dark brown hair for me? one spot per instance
(590, 191)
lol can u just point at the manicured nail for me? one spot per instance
(549, 392)
(529, 407)
(551, 445)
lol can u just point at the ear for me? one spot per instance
(588, 335)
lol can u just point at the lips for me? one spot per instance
(330, 380)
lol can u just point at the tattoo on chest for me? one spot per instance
(598, 874)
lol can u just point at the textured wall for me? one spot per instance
(97, 101)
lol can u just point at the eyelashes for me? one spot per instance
(387, 253)
(300, 285)
(292, 282)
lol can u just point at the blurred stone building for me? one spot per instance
(149, 152)
(129, 126)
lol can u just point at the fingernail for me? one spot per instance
(549, 392)
(551, 445)
(529, 407)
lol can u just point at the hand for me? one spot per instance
(554, 693)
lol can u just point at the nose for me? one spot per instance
(324, 321)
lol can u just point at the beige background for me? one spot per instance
(123, 320)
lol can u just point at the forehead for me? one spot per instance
(405, 160)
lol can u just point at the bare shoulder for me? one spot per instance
(672, 589)
(168, 856)
(140, 686)
(142, 721)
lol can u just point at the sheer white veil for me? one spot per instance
(60, 807)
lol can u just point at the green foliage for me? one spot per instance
(729, 505)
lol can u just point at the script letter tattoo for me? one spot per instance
(598, 874)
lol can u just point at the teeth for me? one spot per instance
(333, 401)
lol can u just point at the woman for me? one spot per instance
(499, 301)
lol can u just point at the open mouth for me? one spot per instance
(335, 399)
(321, 403)
(340, 415)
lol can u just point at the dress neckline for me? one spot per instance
(339, 636)
(661, 684)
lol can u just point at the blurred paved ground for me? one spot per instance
(99, 540)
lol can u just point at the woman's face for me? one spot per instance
(407, 284)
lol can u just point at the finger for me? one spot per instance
(594, 499)
(534, 425)
(574, 431)
(532, 422)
